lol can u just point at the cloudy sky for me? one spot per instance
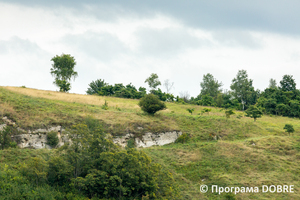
(125, 41)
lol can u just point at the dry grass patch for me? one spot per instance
(78, 98)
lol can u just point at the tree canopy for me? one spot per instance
(63, 70)
(242, 87)
(153, 81)
(210, 86)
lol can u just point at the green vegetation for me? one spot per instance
(213, 150)
(63, 70)
(52, 139)
(254, 112)
(289, 128)
(151, 104)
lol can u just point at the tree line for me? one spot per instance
(282, 99)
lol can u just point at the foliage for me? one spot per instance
(131, 143)
(125, 174)
(242, 87)
(228, 113)
(153, 81)
(190, 110)
(254, 112)
(272, 83)
(289, 128)
(96, 86)
(5, 137)
(118, 90)
(151, 104)
(63, 70)
(210, 86)
(287, 83)
(52, 139)
(183, 138)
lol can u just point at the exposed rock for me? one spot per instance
(149, 139)
(2, 126)
(8, 121)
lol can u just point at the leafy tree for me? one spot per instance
(153, 81)
(59, 171)
(206, 100)
(63, 70)
(272, 83)
(289, 128)
(96, 86)
(242, 87)
(127, 174)
(253, 112)
(150, 103)
(287, 83)
(210, 86)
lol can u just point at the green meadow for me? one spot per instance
(227, 152)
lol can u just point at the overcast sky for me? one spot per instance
(125, 41)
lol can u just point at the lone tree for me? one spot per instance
(289, 128)
(153, 81)
(150, 103)
(63, 70)
(253, 112)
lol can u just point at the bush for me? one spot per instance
(52, 139)
(150, 103)
(183, 138)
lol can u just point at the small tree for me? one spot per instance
(63, 70)
(253, 112)
(153, 81)
(150, 103)
(289, 128)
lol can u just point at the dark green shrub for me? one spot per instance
(52, 139)
(150, 103)
(183, 138)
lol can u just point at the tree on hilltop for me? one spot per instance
(63, 70)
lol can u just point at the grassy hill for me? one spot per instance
(248, 153)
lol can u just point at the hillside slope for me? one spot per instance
(248, 153)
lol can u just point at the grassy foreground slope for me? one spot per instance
(248, 153)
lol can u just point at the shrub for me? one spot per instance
(52, 139)
(190, 110)
(183, 138)
(150, 103)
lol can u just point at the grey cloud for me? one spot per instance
(104, 47)
(269, 15)
(166, 42)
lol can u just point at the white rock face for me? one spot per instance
(37, 139)
(149, 139)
